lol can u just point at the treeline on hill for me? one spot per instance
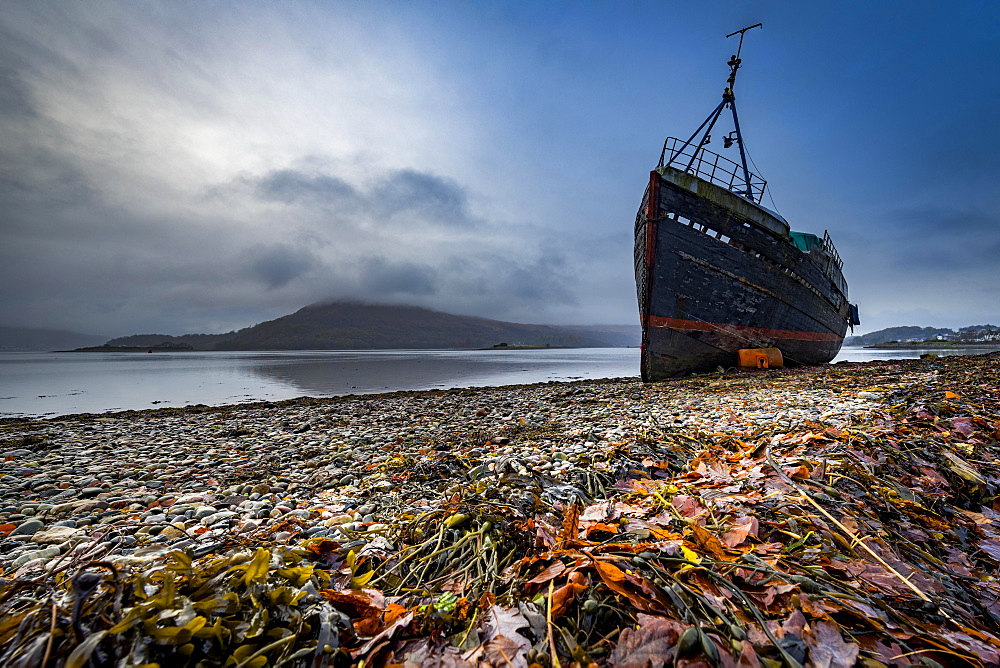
(911, 334)
(357, 326)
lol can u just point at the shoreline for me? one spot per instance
(928, 345)
(310, 481)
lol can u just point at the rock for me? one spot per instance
(172, 532)
(55, 534)
(27, 528)
(46, 553)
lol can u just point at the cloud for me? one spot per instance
(279, 264)
(293, 186)
(396, 196)
(407, 193)
(388, 279)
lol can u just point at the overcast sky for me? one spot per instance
(180, 167)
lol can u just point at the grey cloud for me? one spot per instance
(15, 99)
(290, 185)
(16, 54)
(403, 197)
(279, 264)
(381, 277)
(408, 193)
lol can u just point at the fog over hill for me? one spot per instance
(23, 339)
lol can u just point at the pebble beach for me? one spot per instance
(191, 478)
(350, 473)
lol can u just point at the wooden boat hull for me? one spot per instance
(716, 273)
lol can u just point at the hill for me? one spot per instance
(353, 326)
(912, 334)
(23, 339)
(194, 341)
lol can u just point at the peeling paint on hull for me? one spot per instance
(716, 273)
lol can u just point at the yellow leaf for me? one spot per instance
(352, 559)
(361, 580)
(690, 555)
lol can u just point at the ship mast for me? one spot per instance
(728, 100)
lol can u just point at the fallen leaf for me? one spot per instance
(827, 648)
(650, 646)
(742, 528)
(554, 570)
(388, 633)
(502, 644)
(500, 621)
(563, 597)
(707, 541)
(616, 580)
(594, 531)
(570, 526)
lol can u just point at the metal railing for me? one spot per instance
(832, 250)
(711, 167)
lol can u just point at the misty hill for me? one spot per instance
(18, 339)
(353, 326)
(971, 334)
(195, 341)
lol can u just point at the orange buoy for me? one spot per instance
(760, 358)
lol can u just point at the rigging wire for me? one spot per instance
(770, 194)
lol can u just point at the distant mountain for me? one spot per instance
(17, 339)
(354, 326)
(910, 334)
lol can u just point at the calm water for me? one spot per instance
(38, 384)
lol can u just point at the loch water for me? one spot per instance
(52, 384)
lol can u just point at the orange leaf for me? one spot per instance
(354, 603)
(745, 526)
(571, 526)
(6, 529)
(565, 595)
(324, 547)
(551, 573)
(704, 539)
(801, 471)
(599, 528)
(616, 580)
(951, 395)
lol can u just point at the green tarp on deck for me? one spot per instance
(805, 241)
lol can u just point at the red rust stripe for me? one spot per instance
(675, 323)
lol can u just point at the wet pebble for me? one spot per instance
(180, 478)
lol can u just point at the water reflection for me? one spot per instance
(37, 384)
(34, 384)
(385, 371)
